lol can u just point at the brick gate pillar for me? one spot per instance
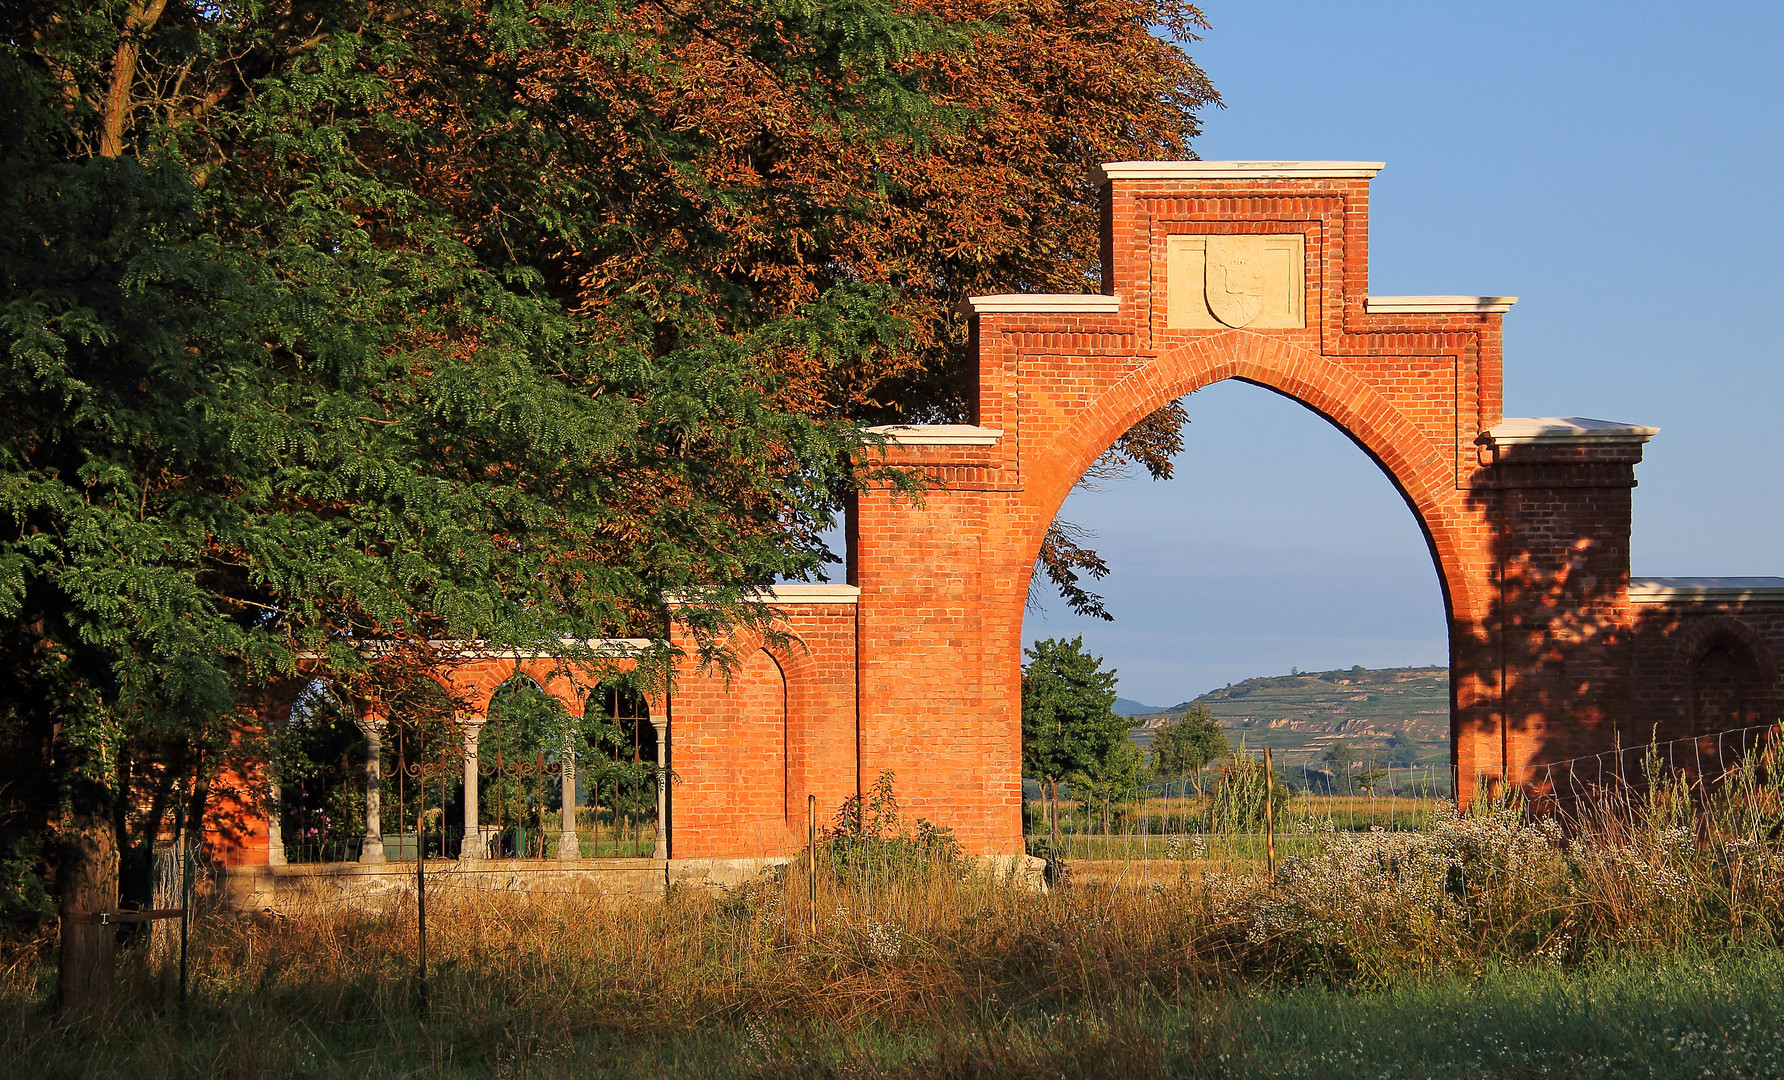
(939, 619)
(1557, 495)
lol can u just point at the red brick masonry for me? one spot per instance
(1528, 523)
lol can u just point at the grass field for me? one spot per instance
(1482, 946)
(1641, 1015)
(1178, 828)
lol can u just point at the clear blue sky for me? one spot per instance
(1620, 167)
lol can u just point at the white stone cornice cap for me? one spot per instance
(1525, 431)
(937, 434)
(608, 647)
(1662, 590)
(1234, 170)
(812, 593)
(474, 649)
(1040, 304)
(1422, 305)
(789, 593)
(796, 592)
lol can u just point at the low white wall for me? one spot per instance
(316, 888)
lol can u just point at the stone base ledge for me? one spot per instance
(319, 888)
(322, 888)
(452, 866)
(721, 875)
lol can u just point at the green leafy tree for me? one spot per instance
(1402, 749)
(267, 394)
(335, 323)
(1340, 756)
(1188, 744)
(1069, 726)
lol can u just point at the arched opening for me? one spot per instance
(520, 763)
(619, 776)
(756, 757)
(421, 756)
(1285, 582)
(1721, 681)
(320, 760)
(348, 771)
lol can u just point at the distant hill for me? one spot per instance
(1300, 715)
(1130, 707)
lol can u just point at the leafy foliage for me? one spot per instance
(868, 836)
(1188, 743)
(332, 323)
(1246, 794)
(1068, 725)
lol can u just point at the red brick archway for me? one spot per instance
(1414, 466)
(1211, 271)
(1259, 272)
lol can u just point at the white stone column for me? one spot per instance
(569, 845)
(661, 849)
(275, 828)
(471, 849)
(372, 850)
(275, 795)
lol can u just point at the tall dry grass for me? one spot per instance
(904, 939)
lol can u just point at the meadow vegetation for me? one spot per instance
(1636, 935)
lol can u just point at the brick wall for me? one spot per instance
(921, 676)
(1672, 661)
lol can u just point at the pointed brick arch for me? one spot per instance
(1414, 465)
(1527, 521)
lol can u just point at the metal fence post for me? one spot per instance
(1270, 814)
(811, 832)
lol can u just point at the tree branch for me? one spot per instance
(118, 100)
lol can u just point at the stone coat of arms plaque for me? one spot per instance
(1222, 281)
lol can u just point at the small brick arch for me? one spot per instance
(1704, 634)
(1408, 457)
(1756, 668)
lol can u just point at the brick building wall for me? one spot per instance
(1705, 656)
(1211, 271)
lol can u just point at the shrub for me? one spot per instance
(871, 838)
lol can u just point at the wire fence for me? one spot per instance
(1725, 783)
(1702, 761)
(1235, 811)
(1250, 810)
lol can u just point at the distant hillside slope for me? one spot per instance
(1299, 716)
(1130, 707)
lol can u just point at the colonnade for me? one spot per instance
(476, 843)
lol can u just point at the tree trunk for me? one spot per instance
(87, 883)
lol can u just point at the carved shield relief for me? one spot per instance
(1216, 281)
(1233, 280)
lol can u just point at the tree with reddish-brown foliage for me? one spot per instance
(338, 321)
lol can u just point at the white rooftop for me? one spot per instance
(1523, 430)
(1661, 590)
